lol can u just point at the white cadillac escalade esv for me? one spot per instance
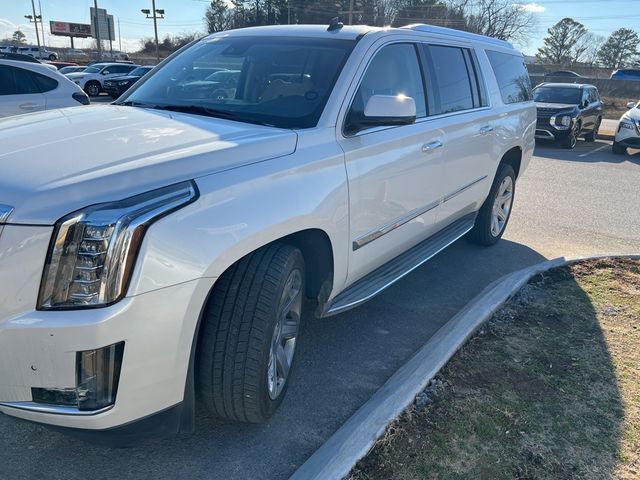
(172, 259)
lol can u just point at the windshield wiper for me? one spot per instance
(209, 112)
(133, 103)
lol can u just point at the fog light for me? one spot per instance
(97, 377)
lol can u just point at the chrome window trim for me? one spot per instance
(5, 211)
(399, 221)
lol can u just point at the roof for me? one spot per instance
(36, 67)
(347, 32)
(565, 85)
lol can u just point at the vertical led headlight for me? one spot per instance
(93, 250)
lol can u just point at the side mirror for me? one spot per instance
(631, 104)
(584, 104)
(385, 110)
(105, 72)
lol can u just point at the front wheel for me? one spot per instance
(52, 57)
(572, 138)
(248, 339)
(92, 89)
(618, 149)
(495, 212)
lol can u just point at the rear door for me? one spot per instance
(19, 93)
(460, 110)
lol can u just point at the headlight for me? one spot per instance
(564, 120)
(93, 250)
(124, 82)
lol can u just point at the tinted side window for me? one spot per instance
(454, 88)
(44, 83)
(7, 83)
(393, 71)
(512, 76)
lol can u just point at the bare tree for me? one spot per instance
(501, 19)
(217, 16)
(586, 48)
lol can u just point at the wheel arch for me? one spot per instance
(513, 157)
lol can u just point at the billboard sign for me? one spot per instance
(105, 24)
(68, 29)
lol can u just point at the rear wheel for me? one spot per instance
(494, 214)
(591, 136)
(52, 57)
(618, 149)
(92, 89)
(248, 339)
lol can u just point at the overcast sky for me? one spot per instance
(599, 16)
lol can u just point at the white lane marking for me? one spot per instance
(594, 150)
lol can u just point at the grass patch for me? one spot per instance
(549, 388)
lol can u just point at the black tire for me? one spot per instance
(92, 89)
(572, 138)
(618, 149)
(237, 334)
(481, 233)
(52, 57)
(591, 136)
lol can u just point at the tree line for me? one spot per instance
(569, 42)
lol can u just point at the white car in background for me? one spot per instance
(30, 87)
(91, 80)
(72, 69)
(628, 133)
(41, 53)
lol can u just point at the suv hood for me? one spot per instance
(87, 155)
(554, 106)
(124, 77)
(77, 75)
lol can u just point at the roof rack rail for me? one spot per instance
(423, 27)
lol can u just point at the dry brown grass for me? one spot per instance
(614, 107)
(549, 389)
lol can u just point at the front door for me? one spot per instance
(393, 172)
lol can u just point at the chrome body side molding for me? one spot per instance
(398, 222)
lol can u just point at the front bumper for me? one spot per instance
(547, 130)
(38, 348)
(628, 137)
(115, 90)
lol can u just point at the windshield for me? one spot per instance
(278, 81)
(557, 95)
(138, 72)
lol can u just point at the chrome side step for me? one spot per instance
(389, 273)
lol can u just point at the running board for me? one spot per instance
(375, 282)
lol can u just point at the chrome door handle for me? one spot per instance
(28, 106)
(431, 146)
(486, 129)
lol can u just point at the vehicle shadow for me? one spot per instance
(536, 395)
(585, 152)
(341, 362)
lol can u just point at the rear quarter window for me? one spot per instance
(44, 83)
(512, 76)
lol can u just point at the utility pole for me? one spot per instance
(35, 21)
(95, 8)
(154, 12)
(44, 45)
(119, 37)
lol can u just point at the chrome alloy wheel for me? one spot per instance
(285, 333)
(573, 135)
(502, 206)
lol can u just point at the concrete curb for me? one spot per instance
(353, 440)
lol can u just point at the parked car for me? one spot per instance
(41, 53)
(118, 85)
(60, 65)
(26, 58)
(30, 87)
(562, 73)
(8, 49)
(76, 52)
(178, 256)
(91, 80)
(626, 74)
(67, 70)
(628, 133)
(567, 111)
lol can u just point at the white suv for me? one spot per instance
(39, 53)
(174, 261)
(91, 79)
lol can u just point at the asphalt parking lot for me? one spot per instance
(576, 202)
